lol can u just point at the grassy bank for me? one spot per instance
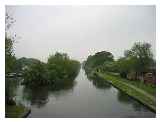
(148, 87)
(14, 111)
(143, 94)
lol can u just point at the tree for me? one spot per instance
(58, 70)
(9, 41)
(110, 66)
(23, 62)
(9, 56)
(97, 60)
(60, 67)
(35, 74)
(126, 65)
(142, 55)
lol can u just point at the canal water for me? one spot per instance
(82, 98)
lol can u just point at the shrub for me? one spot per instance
(35, 74)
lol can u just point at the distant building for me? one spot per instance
(150, 75)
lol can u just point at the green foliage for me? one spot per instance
(110, 66)
(136, 61)
(23, 62)
(61, 68)
(35, 74)
(9, 55)
(126, 65)
(142, 55)
(136, 91)
(96, 61)
(9, 41)
(15, 111)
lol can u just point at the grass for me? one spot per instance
(14, 111)
(142, 93)
(148, 87)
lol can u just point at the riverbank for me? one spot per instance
(132, 90)
(15, 111)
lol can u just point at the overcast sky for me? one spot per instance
(80, 31)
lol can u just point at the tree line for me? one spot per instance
(58, 69)
(136, 61)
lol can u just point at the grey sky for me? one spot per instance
(81, 30)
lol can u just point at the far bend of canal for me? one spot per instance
(83, 98)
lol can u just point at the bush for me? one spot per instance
(97, 61)
(59, 69)
(35, 74)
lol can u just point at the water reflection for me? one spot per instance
(125, 99)
(63, 86)
(62, 90)
(36, 96)
(39, 96)
(99, 82)
(11, 85)
(121, 96)
(80, 101)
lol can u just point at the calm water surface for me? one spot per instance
(82, 98)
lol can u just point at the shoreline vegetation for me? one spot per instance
(60, 71)
(142, 96)
(134, 74)
(17, 111)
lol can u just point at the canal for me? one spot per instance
(82, 98)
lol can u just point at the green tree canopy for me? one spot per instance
(60, 67)
(97, 60)
(142, 55)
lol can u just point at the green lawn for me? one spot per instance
(144, 94)
(14, 111)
